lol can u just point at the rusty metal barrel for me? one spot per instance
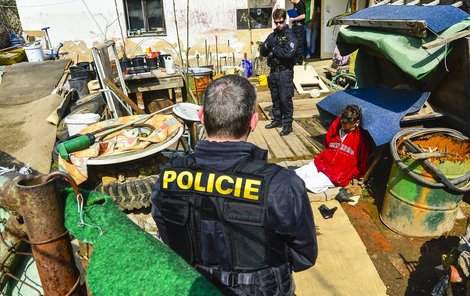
(43, 215)
(425, 186)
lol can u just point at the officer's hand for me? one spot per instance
(270, 42)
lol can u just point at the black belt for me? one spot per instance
(231, 279)
(279, 69)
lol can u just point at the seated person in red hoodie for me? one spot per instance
(345, 156)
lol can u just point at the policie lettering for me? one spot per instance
(213, 184)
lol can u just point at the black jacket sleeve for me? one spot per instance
(290, 215)
(267, 46)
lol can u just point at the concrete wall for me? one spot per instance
(80, 24)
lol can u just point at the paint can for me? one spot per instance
(263, 80)
(77, 122)
(34, 52)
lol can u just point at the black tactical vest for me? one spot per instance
(218, 219)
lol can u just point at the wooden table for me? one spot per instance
(155, 80)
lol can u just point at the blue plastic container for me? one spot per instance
(15, 40)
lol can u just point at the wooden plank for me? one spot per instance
(295, 145)
(306, 76)
(257, 138)
(304, 137)
(443, 40)
(122, 96)
(342, 268)
(276, 144)
(161, 83)
(303, 108)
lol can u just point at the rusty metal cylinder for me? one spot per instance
(43, 214)
(416, 203)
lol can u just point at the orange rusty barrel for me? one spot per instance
(423, 195)
(199, 78)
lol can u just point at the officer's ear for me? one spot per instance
(200, 114)
(254, 121)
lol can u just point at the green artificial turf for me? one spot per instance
(126, 260)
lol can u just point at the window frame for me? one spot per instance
(147, 32)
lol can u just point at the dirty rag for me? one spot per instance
(118, 142)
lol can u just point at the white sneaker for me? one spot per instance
(307, 56)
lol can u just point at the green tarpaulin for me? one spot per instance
(404, 51)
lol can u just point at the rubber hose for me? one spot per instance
(418, 132)
(415, 132)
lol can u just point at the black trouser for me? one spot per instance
(281, 85)
(299, 32)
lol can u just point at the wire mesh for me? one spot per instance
(9, 21)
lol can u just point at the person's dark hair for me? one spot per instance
(229, 104)
(351, 113)
(279, 13)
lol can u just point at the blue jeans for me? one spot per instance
(307, 46)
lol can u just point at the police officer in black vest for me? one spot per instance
(243, 223)
(280, 48)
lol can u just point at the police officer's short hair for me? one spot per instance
(229, 104)
(279, 13)
(351, 113)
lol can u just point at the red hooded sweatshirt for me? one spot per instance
(343, 161)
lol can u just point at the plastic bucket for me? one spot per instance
(151, 63)
(414, 208)
(34, 52)
(77, 122)
(79, 72)
(199, 78)
(263, 80)
(80, 84)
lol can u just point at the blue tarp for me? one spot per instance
(438, 17)
(382, 108)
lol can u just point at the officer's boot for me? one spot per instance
(286, 129)
(274, 124)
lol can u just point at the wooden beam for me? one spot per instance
(443, 40)
(436, 2)
(122, 96)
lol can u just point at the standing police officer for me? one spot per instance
(280, 48)
(298, 27)
(243, 223)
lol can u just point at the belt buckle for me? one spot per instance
(233, 279)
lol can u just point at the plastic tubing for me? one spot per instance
(445, 183)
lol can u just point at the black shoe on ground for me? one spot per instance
(273, 124)
(286, 130)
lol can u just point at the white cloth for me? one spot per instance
(315, 181)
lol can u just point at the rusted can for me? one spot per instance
(413, 208)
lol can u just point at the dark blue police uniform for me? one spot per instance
(280, 48)
(241, 222)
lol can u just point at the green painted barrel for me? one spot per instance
(414, 209)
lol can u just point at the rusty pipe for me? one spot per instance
(43, 214)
